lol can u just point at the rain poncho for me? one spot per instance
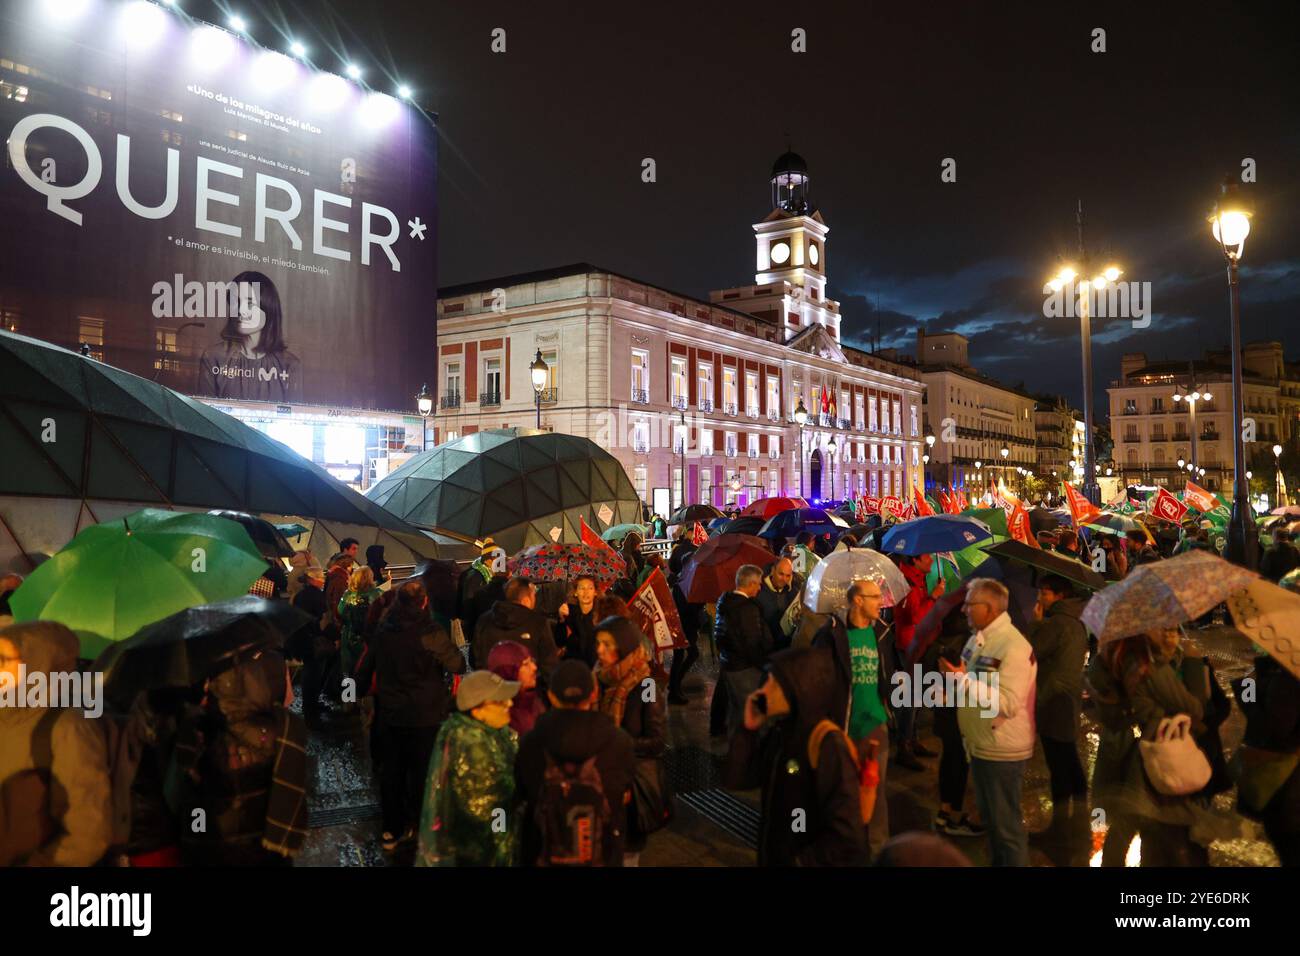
(353, 608)
(468, 796)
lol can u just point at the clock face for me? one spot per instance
(814, 255)
(781, 253)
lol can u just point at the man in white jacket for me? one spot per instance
(994, 696)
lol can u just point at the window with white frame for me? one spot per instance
(774, 446)
(641, 437)
(679, 439)
(679, 383)
(677, 487)
(706, 486)
(859, 410)
(751, 395)
(898, 417)
(874, 425)
(704, 384)
(640, 480)
(843, 410)
(492, 378)
(706, 443)
(451, 382)
(875, 483)
(773, 395)
(916, 456)
(915, 432)
(729, 390)
(773, 483)
(640, 375)
(751, 441)
(731, 444)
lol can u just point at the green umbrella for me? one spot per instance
(995, 518)
(956, 566)
(114, 578)
(615, 532)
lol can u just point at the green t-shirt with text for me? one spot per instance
(867, 711)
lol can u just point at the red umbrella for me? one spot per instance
(766, 507)
(564, 562)
(711, 571)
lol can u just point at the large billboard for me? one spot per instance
(212, 215)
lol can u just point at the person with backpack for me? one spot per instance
(465, 821)
(629, 697)
(792, 746)
(55, 792)
(573, 777)
(408, 659)
(242, 761)
(864, 656)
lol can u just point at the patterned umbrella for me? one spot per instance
(788, 524)
(828, 585)
(564, 562)
(1119, 524)
(767, 507)
(1163, 594)
(712, 569)
(1267, 614)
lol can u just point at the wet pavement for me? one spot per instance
(717, 827)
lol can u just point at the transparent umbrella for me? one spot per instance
(828, 585)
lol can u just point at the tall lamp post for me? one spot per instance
(1004, 451)
(801, 419)
(830, 453)
(1277, 480)
(1191, 397)
(540, 372)
(1067, 277)
(1230, 224)
(925, 459)
(424, 402)
(979, 478)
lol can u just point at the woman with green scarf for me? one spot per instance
(472, 780)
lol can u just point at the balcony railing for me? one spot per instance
(451, 400)
(679, 448)
(548, 396)
(774, 416)
(729, 408)
(753, 453)
(705, 405)
(845, 424)
(679, 402)
(640, 396)
(825, 420)
(640, 446)
(731, 451)
(752, 411)
(489, 398)
(774, 454)
(1209, 436)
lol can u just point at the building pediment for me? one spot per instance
(815, 340)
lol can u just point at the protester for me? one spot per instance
(744, 641)
(781, 588)
(353, 608)
(684, 658)
(1134, 687)
(408, 658)
(578, 622)
(515, 618)
(995, 710)
(480, 586)
(242, 761)
(55, 795)
(907, 614)
(628, 698)
(1060, 643)
(1116, 567)
(864, 656)
(573, 775)
(312, 644)
(683, 548)
(1282, 558)
(1268, 788)
(470, 791)
(814, 782)
(804, 557)
(513, 662)
(337, 580)
(377, 565)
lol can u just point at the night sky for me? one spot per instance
(542, 147)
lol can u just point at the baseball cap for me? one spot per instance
(480, 687)
(571, 682)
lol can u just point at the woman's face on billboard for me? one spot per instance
(251, 317)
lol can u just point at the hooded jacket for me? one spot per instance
(834, 635)
(743, 639)
(58, 758)
(997, 717)
(774, 604)
(575, 735)
(508, 621)
(776, 759)
(504, 660)
(411, 655)
(1060, 643)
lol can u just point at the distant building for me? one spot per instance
(696, 398)
(1153, 433)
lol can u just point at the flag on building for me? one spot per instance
(652, 609)
(1200, 499)
(1164, 505)
(1081, 509)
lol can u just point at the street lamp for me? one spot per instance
(929, 445)
(540, 372)
(424, 402)
(1230, 224)
(801, 419)
(1067, 277)
(830, 451)
(1277, 482)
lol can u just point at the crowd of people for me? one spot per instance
(525, 723)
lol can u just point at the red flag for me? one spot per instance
(826, 407)
(1166, 506)
(891, 506)
(871, 504)
(590, 537)
(961, 499)
(652, 609)
(1199, 498)
(1081, 509)
(1018, 525)
(698, 534)
(922, 506)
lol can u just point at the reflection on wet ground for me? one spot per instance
(716, 827)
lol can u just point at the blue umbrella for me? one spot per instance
(790, 523)
(933, 534)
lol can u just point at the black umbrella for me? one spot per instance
(1049, 562)
(192, 645)
(701, 513)
(1042, 519)
(269, 539)
(745, 524)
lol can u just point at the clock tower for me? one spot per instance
(791, 248)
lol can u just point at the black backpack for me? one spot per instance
(572, 814)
